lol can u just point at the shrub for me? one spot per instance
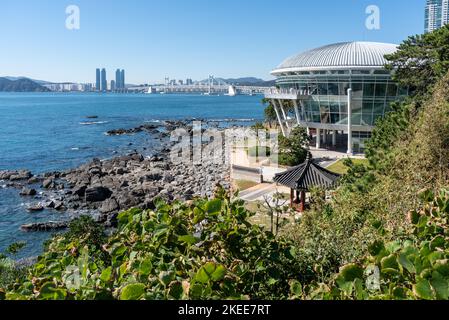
(206, 250)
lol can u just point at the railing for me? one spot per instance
(291, 91)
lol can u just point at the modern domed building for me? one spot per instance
(337, 92)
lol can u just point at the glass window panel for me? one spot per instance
(335, 106)
(356, 106)
(322, 89)
(333, 89)
(343, 107)
(392, 90)
(367, 107)
(368, 89)
(367, 119)
(335, 118)
(356, 119)
(378, 107)
(381, 89)
(316, 117)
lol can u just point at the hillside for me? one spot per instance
(20, 85)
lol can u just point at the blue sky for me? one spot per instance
(184, 38)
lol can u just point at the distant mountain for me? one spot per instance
(41, 82)
(21, 85)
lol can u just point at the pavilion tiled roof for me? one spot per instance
(307, 175)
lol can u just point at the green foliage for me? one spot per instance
(421, 60)
(269, 112)
(413, 268)
(205, 250)
(292, 150)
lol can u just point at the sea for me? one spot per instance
(44, 132)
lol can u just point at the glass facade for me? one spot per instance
(327, 101)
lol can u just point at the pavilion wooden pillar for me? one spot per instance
(292, 197)
(302, 206)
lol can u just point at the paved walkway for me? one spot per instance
(258, 192)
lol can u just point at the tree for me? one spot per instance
(270, 113)
(421, 60)
(292, 150)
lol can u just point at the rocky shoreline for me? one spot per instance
(105, 187)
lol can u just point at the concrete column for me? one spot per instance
(334, 138)
(278, 116)
(318, 138)
(298, 118)
(324, 136)
(283, 113)
(350, 151)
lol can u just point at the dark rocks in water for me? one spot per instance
(28, 192)
(47, 183)
(15, 175)
(109, 206)
(35, 207)
(55, 204)
(97, 194)
(34, 180)
(45, 226)
(92, 117)
(150, 128)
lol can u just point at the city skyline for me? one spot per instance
(177, 39)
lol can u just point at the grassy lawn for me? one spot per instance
(340, 168)
(244, 184)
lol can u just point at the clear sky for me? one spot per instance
(184, 38)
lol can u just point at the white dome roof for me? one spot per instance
(340, 55)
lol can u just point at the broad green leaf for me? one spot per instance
(166, 277)
(48, 291)
(189, 239)
(376, 248)
(350, 272)
(214, 206)
(176, 290)
(437, 242)
(296, 288)
(146, 266)
(406, 263)
(440, 285)
(423, 290)
(442, 266)
(133, 291)
(219, 273)
(106, 275)
(389, 262)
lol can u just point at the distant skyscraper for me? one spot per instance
(113, 85)
(98, 80)
(118, 81)
(104, 81)
(437, 14)
(122, 80)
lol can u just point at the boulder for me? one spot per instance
(79, 190)
(20, 175)
(28, 192)
(109, 205)
(45, 226)
(35, 207)
(47, 183)
(97, 194)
